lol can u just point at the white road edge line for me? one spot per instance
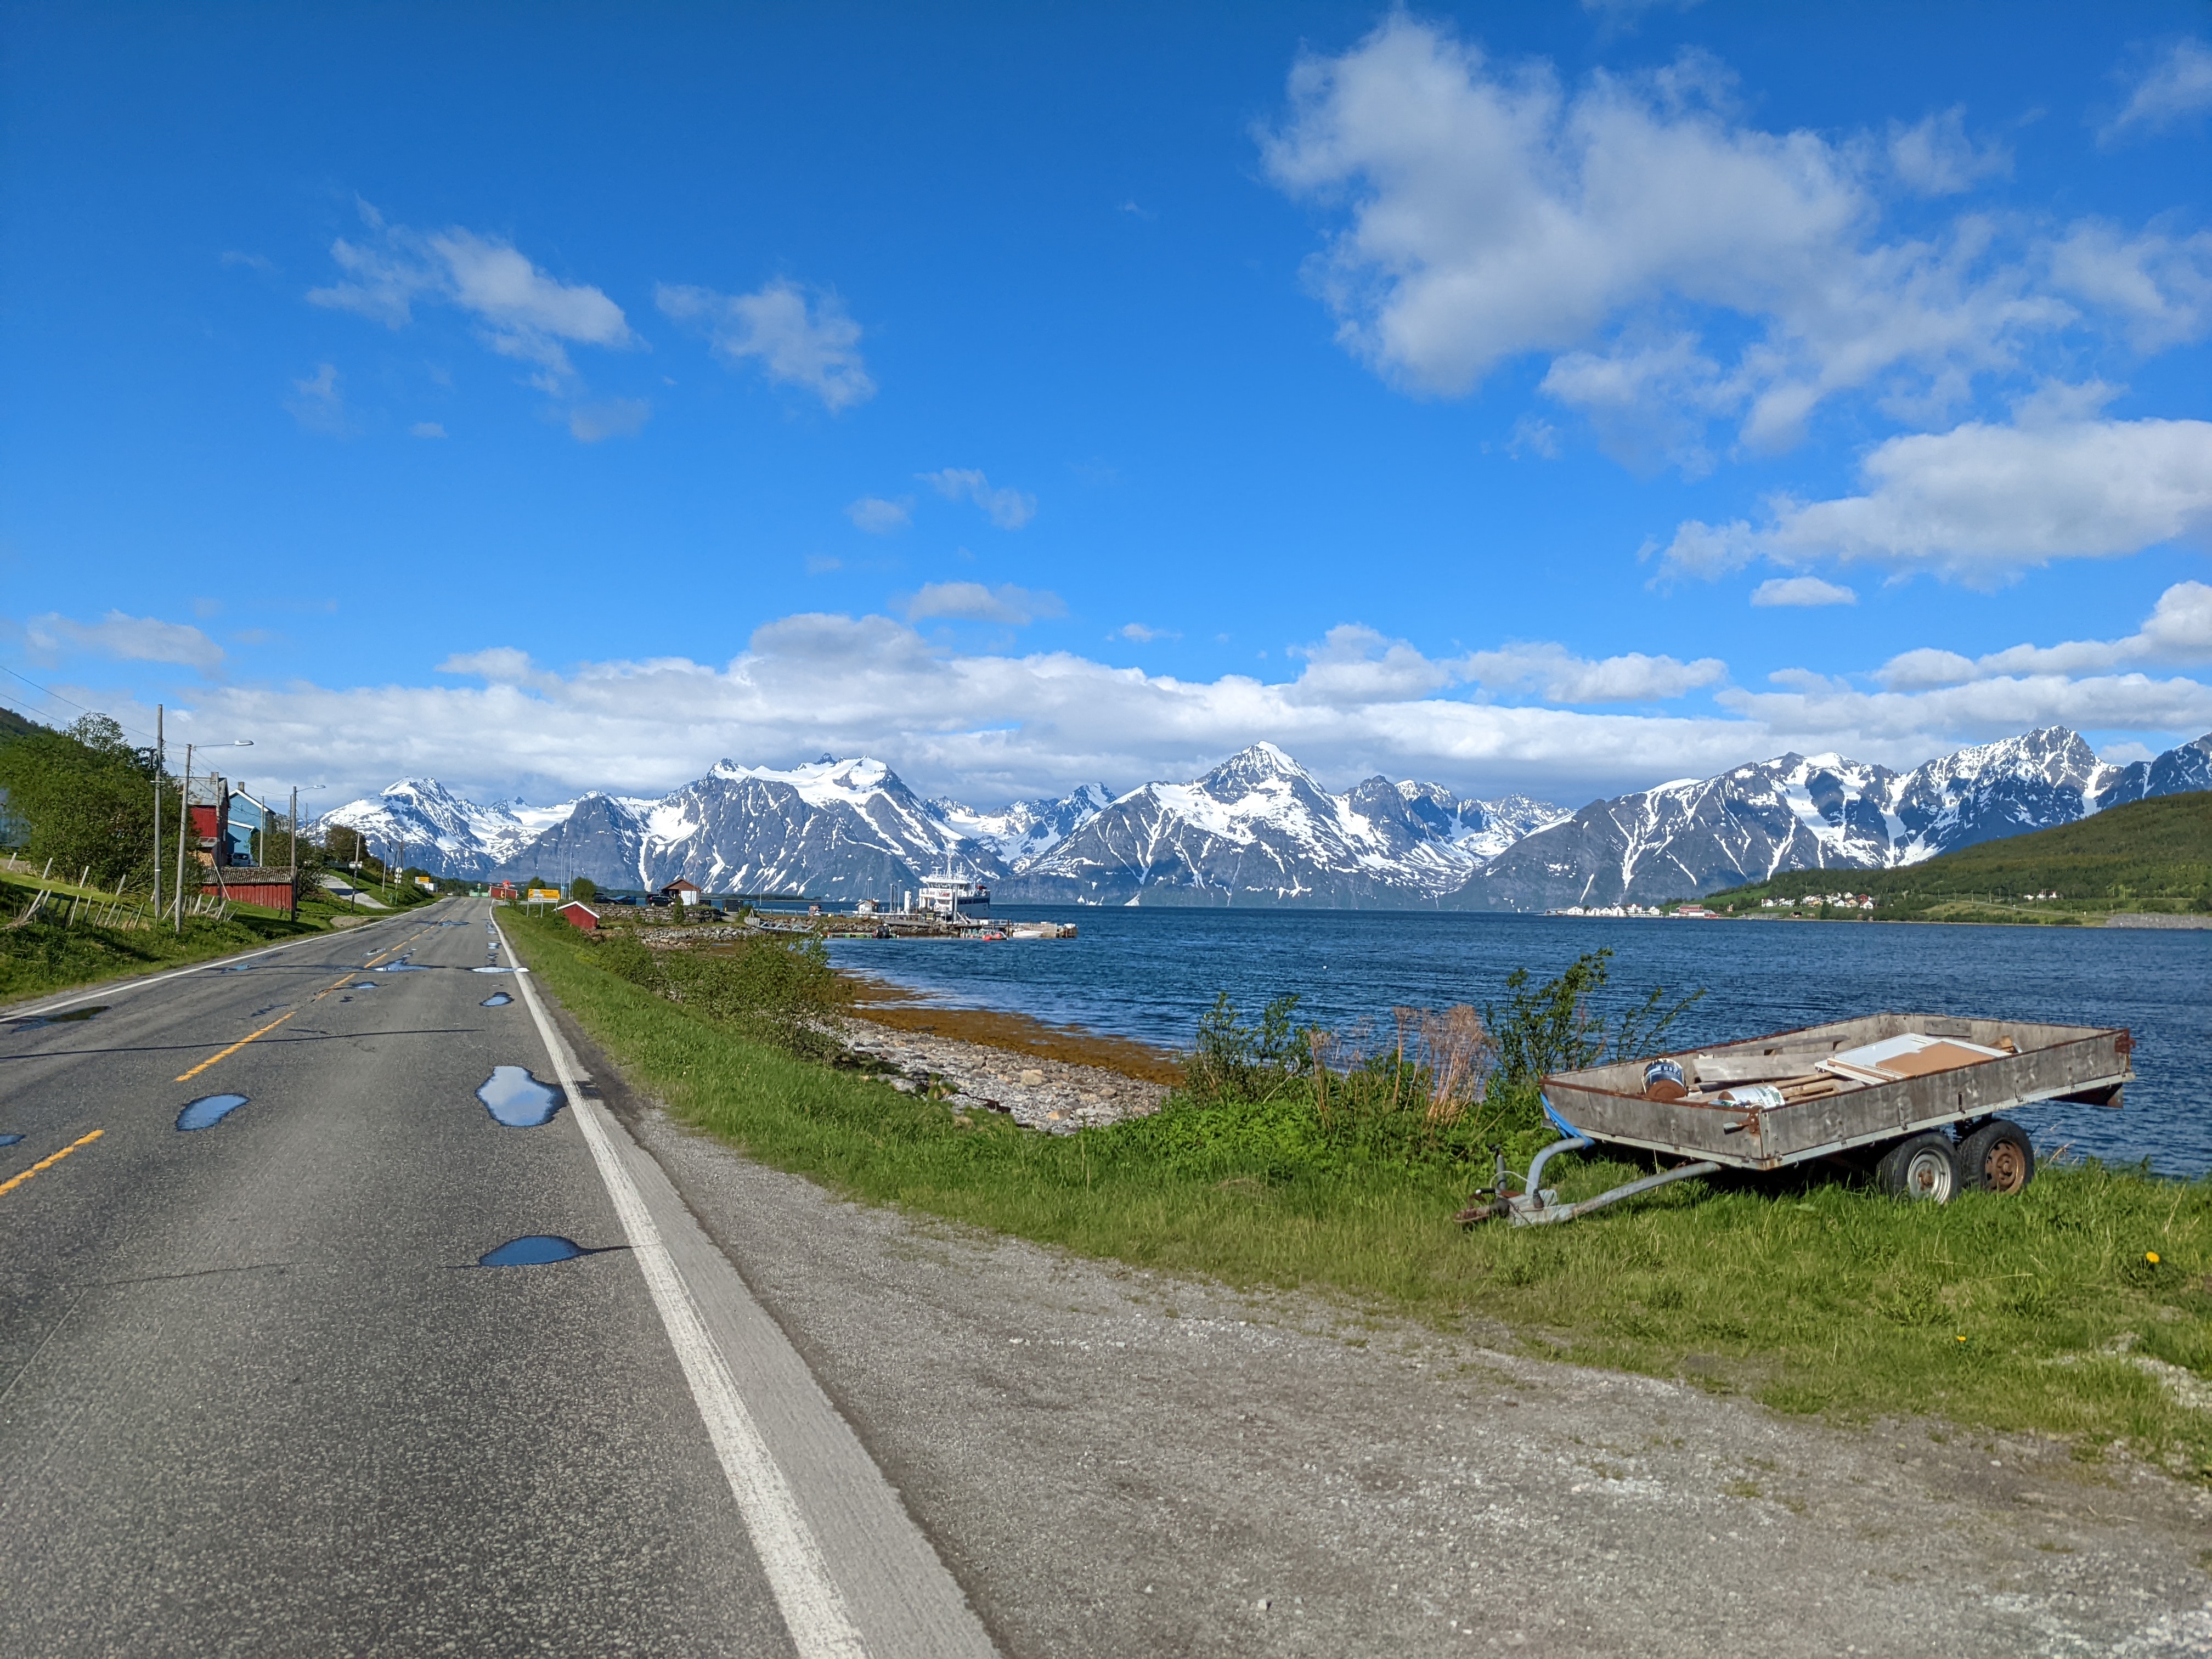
(34, 1012)
(812, 1607)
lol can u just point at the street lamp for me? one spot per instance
(185, 817)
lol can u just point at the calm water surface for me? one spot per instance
(1150, 974)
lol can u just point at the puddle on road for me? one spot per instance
(533, 1250)
(499, 970)
(37, 1020)
(9, 1140)
(519, 1100)
(496, 999)
(209, 1110)
(404, 966)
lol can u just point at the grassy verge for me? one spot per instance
(2040, 1313)
(48, 954)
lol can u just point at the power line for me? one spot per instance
(80, 707)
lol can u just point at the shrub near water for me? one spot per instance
(2040, 1312)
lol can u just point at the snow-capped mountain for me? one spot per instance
(443, 833)
(1821, 811)
(1028, 830)
(1259, 828)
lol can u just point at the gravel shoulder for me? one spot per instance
(1113, 1462)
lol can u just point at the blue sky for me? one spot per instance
(545, 398)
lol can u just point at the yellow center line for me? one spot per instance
(235, 1047)
(341, 983)
(10, 1185)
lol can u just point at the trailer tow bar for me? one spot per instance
(1538, 1206)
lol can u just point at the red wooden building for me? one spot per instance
(579, 915)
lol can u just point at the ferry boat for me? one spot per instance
(953, 893)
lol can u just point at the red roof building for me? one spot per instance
(579, 915)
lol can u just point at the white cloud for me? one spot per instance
(997, 726)
(1936, 157)
(2178, 630)
(1564, 677)
(1802, 591)
(1980, 502)
(616, 417)
(1009, 509)
(2178, 85)
(318, 404)
(427, 430)
(519, 310)
(814, 346)
(125, 637)
(1490, 213)
(2158, 286)
(974, 602)
(879, 517)
(1137, 634)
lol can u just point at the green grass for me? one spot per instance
(47, 954)
(2148, 855)
(2012, 1313)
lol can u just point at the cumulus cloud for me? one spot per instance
(319, 404)
(974, 602)
(999, 727)
(1980, 502)
(1802, 591)
(1009, 509)
(1564, 678)
(124, 637)
(811, 344)
(2178, 85)
(2178, 630)
(1489, 213)
(519, 310)
(879, 517)
(1137, 634)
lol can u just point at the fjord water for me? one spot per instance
(1149, 974)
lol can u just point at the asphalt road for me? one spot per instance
(258, 1396)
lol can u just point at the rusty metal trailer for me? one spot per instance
(1927, 1135)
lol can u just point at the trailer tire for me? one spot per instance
(1923, 1167)
(1997, 1157)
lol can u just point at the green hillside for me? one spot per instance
(2148, 855)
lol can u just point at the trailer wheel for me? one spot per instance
(1997, 1157)
(1920, 1167)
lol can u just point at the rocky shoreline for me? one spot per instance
(1054, 1096)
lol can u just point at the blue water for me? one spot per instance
(496, 999)
(519, 1100)
(1149, 974)
(209, 1110)
(533, 1251)
(9, 1140)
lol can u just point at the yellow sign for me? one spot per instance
(550, 894)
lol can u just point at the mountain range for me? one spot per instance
(1259, 828)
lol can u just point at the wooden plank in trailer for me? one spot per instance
(2053, 1062)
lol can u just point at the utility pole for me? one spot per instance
(292, 844)
(160, 759)
(184, 819)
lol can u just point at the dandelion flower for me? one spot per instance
(2151, 1257)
